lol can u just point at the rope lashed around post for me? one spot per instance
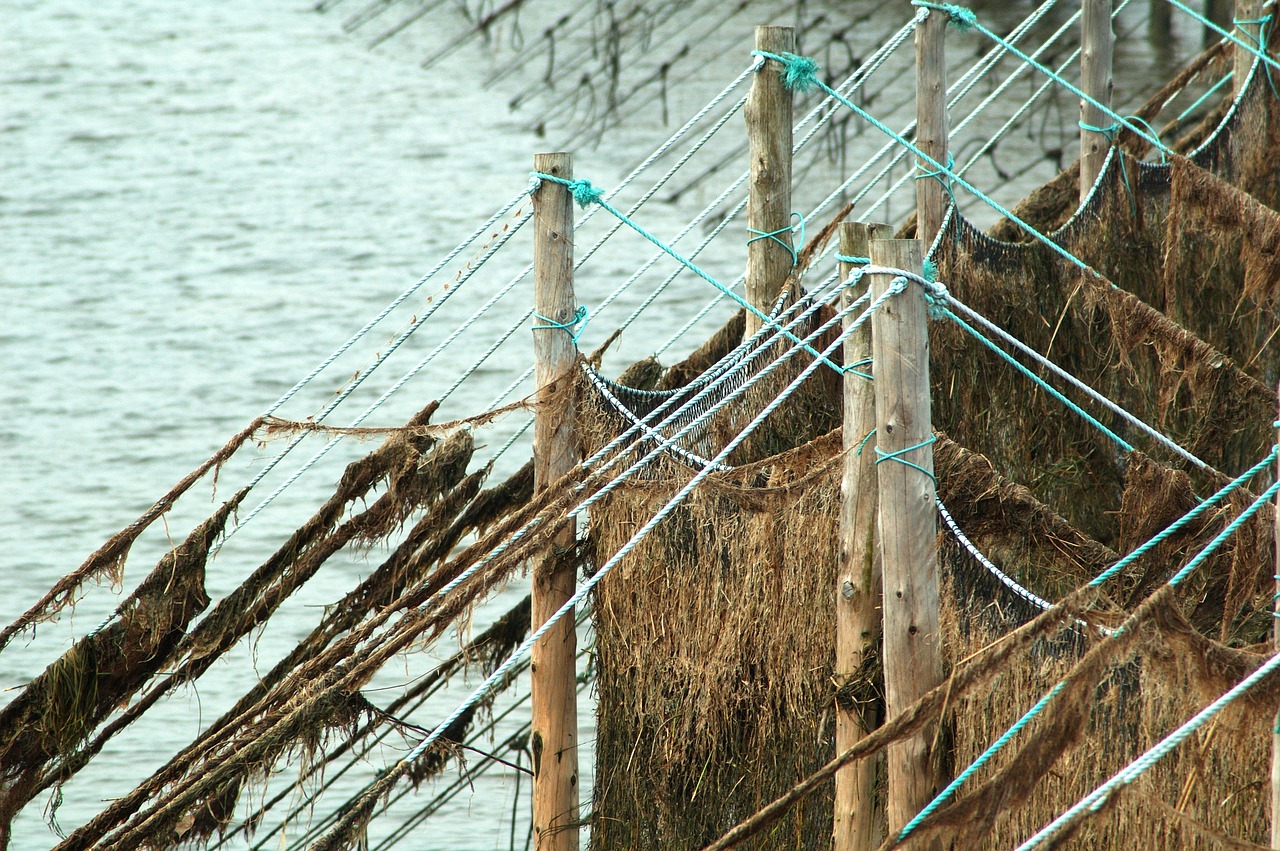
(858, 584)
(553, 684)
(908, 524)
(770, 251)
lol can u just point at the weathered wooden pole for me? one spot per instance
(768, 114)
(1097, 46)
(1160, 25)
(1275, 646)
(931, 125)
(1219, 12)
(1248, 13)
(908, 526)
(858, 587)
(554, 735)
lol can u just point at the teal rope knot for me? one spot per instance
(936, 295)
(584, 193)
(581, 190)
(961, 18)
(799, 73)
(944, 175)
(579, 318)
(1259, 41)
(897, 454)
(1109, 131)
(774, 235)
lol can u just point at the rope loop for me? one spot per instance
(1259, 45)
(793, 250)
(945, 175)
(799, 73)
(1109, 131)
(578, 322)
(897, 454)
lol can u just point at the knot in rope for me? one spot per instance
(799, 73)
(1109, 131)
(936, 295)
(584, 193)
(579, 318)
(961, 18)
(581, 190)
(897, 454)
(1260, 23)
(794, 250)
(944, 175)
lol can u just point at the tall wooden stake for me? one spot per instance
(931, 124)
(554, 737)
(1249, 33)
(858, 586)
(908, 524)
(1219, 12)
(1097, 43)
(1160, 25)
(1275, 646)
(768, 114)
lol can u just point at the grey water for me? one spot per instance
(198, 202)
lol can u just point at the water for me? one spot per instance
(199, 202)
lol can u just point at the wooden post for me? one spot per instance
(1097, 46)
(1219, 12)
(908, 525)
(1275, 648)
(931, 124)
(1160, 26)
(554, 737)
(858, 588)
(768, 114)
(1249, 33)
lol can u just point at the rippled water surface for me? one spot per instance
(199, 201)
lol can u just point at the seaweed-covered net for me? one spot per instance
(716, 636)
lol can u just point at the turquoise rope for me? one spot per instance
(1260, 39)
(976, 765)
(1204, 97)
(942, 176)
(971, 22)
(1261, 54)
(857, 261)
(897, 454)
(968, 187)
(584, 193)
(1204, 554)
(1187, 518)
(1110, 133)
(580, 317)
(863, 444)
(1053, 391)
(794, 251)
